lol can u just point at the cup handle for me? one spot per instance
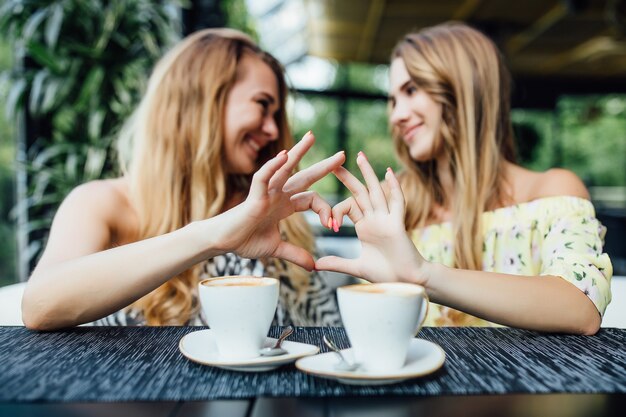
(427, 302)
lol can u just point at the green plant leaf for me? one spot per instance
(149, 42)
(53, 25)
(48, 153)
(109, 24)
(43, 57)
(95, 125)
(51, 95)
(94, 163)
(7, 11)
(41, 182)
(32, 24)
(71, 166)
(34, 248)
(36, 91)
(15, 98)
(90, 86)
(39, 224)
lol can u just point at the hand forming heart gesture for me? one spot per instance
(387, 253)
(251, 228)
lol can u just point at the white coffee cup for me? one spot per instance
(380, 321)
(239, 310)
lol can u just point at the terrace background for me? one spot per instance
(567, 58)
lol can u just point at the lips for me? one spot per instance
(254, 145)
(408, 133)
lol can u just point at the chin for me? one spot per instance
(248, 170)
(242, 169)
(421, 156)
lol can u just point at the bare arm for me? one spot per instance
(543, 303)
(79, 279)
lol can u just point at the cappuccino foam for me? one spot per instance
(238, 281)
(389, 288)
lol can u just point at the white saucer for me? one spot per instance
(200, 347)
(424, 357)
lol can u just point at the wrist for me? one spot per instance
(427, 274)
(204, 239)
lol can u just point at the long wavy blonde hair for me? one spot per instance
(176, 167)
(461, 69)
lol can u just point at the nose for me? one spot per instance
(399, 113)
(270, 128)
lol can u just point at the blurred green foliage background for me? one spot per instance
(92, 59)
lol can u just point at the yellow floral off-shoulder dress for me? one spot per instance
(557, 236)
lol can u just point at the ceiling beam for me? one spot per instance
(542, 24)
(594, 48)
(372, 23)
(326, 27)
(466, 10)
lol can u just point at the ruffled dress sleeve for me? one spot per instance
(572, 249)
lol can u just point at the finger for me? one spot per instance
(295, 254)
(302, 180)
(312, 200)
(295, 154)
(358, 190)
(337, 264)
(261, 178)
(347, 207)
(377, 197)
(396, 196)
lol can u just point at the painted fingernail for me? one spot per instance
(335, 226)
(330, 223)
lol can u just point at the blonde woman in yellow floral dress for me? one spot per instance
(492, 242)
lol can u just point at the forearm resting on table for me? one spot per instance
(88, 288)
(544, 303)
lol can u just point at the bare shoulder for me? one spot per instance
(557, 182)
(101, 197)
(93, 217)
(530, 185)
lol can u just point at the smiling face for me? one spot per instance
(414, 115)
(250, 116)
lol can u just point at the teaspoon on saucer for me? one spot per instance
(344, 364)
(276, 349)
